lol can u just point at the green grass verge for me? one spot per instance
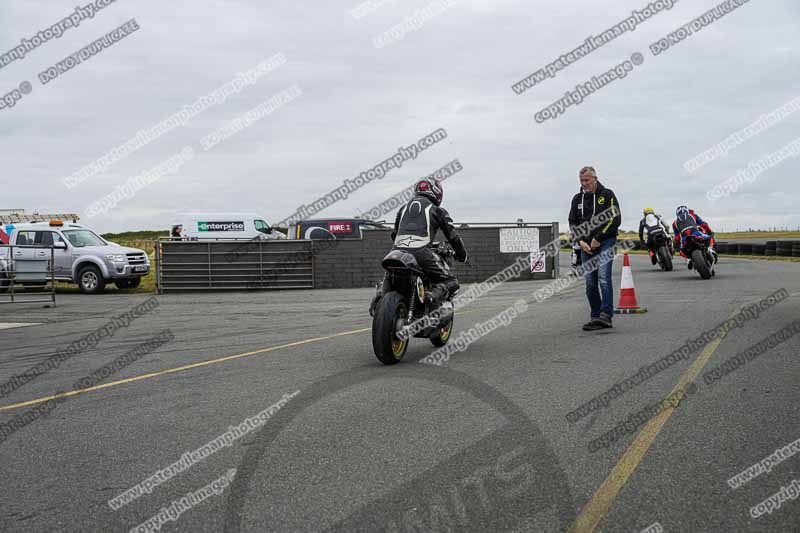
(129, 236)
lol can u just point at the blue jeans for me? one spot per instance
(599, 287)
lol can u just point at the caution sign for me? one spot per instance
(519, 240)
(538, 262)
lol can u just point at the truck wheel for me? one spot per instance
(90, 280)
(135, 282)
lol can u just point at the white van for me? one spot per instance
(221, 226)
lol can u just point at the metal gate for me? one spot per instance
(32, 266)
(234, 265)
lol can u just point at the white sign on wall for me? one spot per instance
(519, 240)
(538, 262)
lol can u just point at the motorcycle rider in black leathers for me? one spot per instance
(415, 229)
(654, 225)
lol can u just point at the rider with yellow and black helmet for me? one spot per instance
(654, 225)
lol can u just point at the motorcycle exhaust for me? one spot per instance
(446, 312)
(441, 315)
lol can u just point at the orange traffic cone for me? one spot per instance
(627, 292)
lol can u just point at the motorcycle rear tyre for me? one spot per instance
(665, 258)
(387, 347)
(700, 264)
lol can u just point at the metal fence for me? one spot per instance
(31, 266)
(233, 265)
(213, 264)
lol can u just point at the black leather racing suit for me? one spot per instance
(415, 228)
(654, 225)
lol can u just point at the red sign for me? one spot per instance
(340, 227)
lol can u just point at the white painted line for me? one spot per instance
(11, 325)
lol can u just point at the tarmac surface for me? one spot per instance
(481, 445)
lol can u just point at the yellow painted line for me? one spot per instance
(188, 367)
(177, 369)
(12, 325)
(597, 508)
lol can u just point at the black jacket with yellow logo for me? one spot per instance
(586, 205)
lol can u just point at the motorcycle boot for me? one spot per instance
(436, 295)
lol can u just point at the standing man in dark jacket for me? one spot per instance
(593, 199)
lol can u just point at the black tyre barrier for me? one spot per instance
(784, 248)
(745, 249)
(772, 248)
(759, 249)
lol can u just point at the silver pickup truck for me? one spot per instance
(81, 256)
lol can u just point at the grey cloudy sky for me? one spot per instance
(360, 103)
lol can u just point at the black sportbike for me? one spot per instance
(697, 248)
(663, 250)
(398, 313)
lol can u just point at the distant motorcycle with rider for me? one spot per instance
(695, 240)
(658, 242)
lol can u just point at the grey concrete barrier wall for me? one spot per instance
(356, 263)
(299, 264)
